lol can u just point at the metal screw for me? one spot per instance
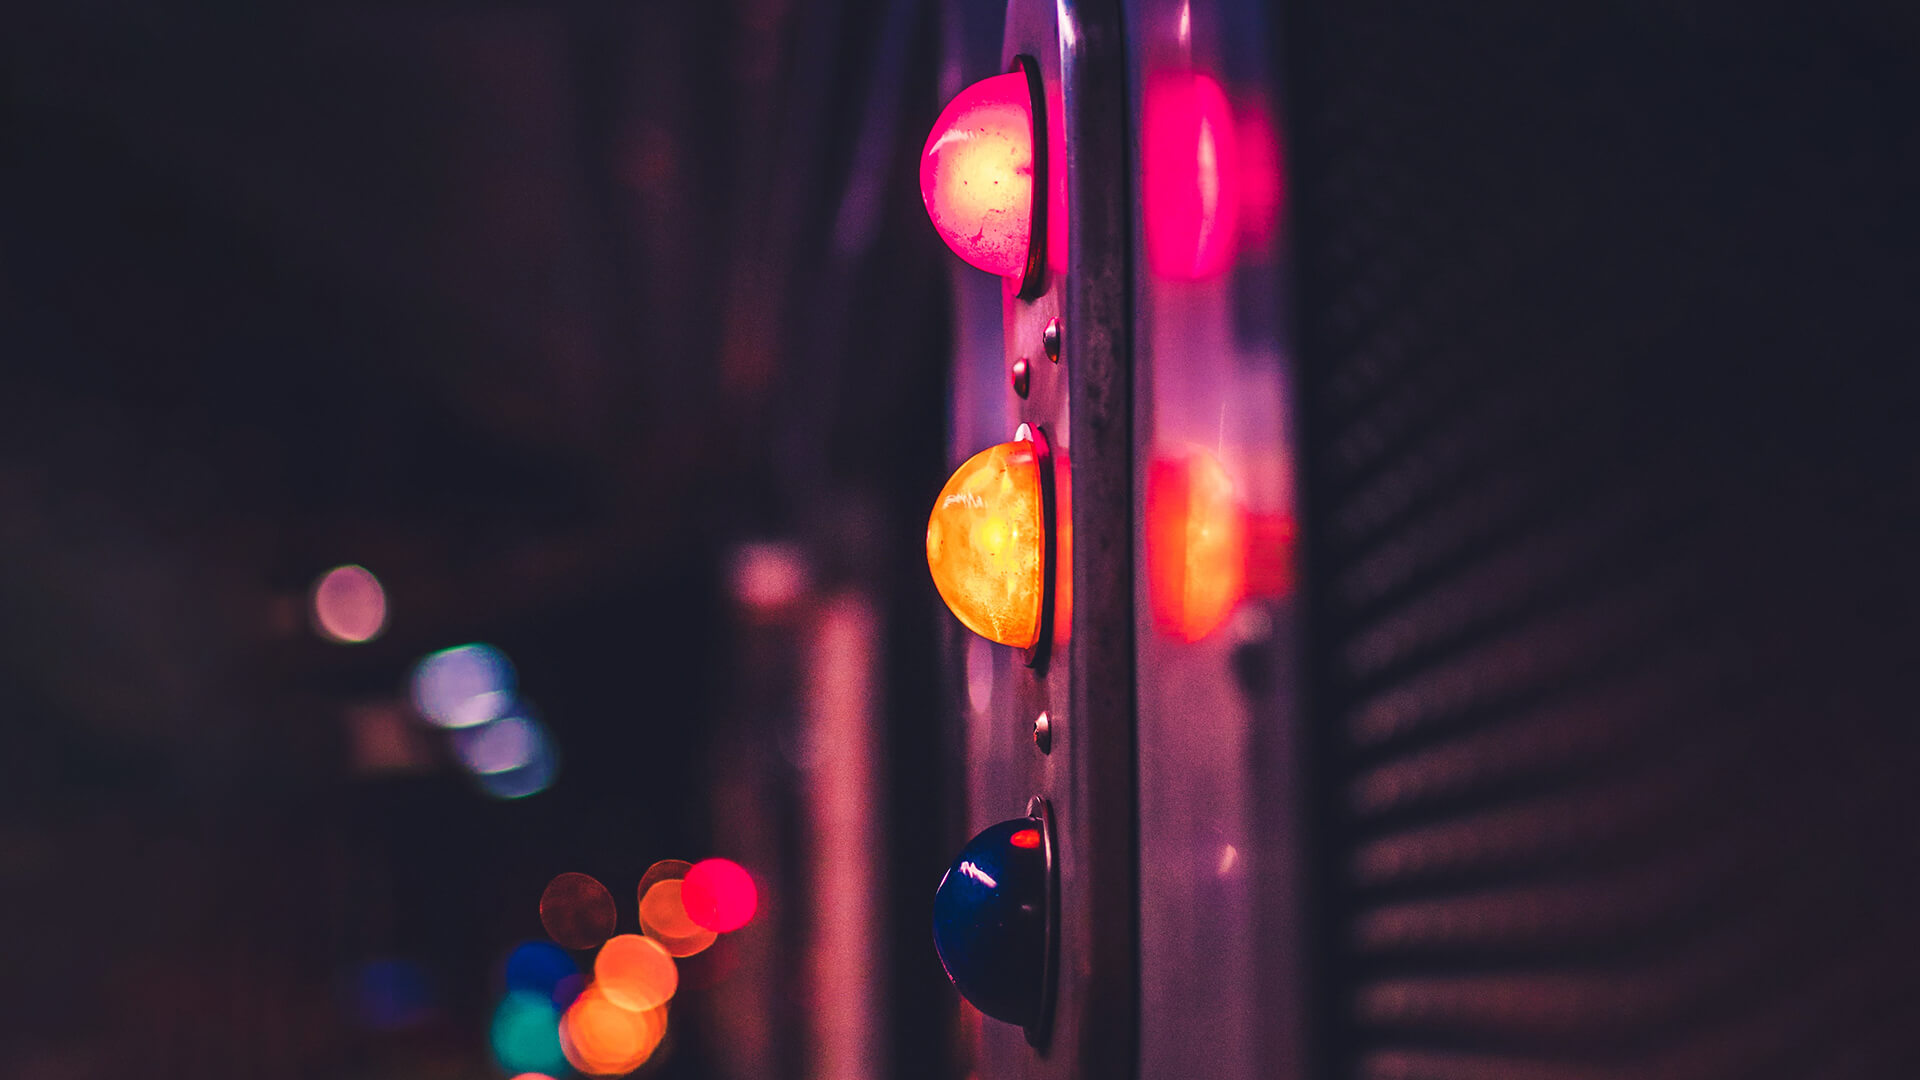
(1043, 733)
(1022, 376)
(1050, 339)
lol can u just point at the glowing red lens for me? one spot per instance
(1189, 177)
(719, 894)
(976, 174)
(1025, 838)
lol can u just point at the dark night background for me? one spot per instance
(536, 310)
(1603, 330)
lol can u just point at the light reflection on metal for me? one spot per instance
(1189, 176)
(1196, 545)
(1262, 178)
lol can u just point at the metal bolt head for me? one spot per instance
(1022, 376)
(1050, 339)
(1043, 733)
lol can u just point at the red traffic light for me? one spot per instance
(976, 174)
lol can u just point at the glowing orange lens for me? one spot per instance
(976, 174)
(1196, 546)
(635, 972)
(986, 544)
(1025, 838)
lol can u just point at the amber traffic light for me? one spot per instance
(987, 543)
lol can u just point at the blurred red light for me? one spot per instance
(1025, 838)
(720, 895)
(1189, 177)
(976, 174)
(1262, 180)
(577, 911)
(1271, 539)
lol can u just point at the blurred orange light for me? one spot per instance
(720, 895)
(635, 972)
(600, 1038)
(1025, 838)
(577, 911)
(1196, 545)
(1189, 176)
(986, 544)
(349, 606)
(664, 918)
(976, 174)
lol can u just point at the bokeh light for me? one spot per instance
(463, 686)
(526, 1034)
(391, 994)
(664, 870)
(567, 989)
(498, 746)
(531, 778)
(348, 605)
(986, 544)
(1189, 176)
(663, 909)
(976, 174)
(600, 1038)
(664, 918)
(720, 895)
(1196, 545)
(538, 967)
(577, 911)
(768, 578)
(635, 972)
